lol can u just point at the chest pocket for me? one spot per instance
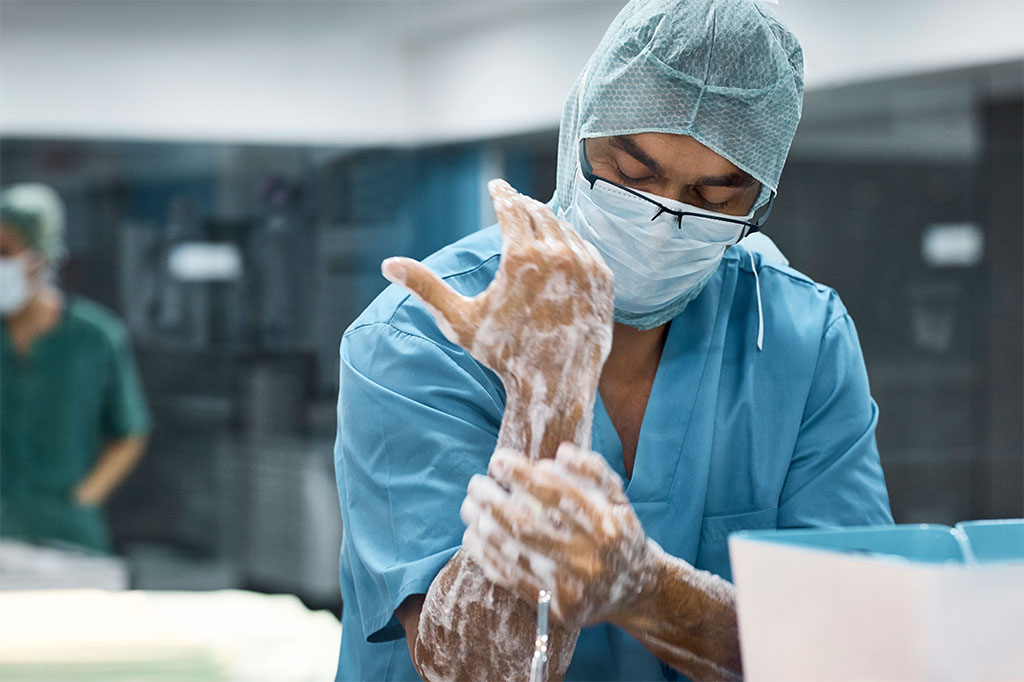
(713, 552)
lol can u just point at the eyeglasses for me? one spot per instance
(745, 227)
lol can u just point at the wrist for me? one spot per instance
(536, 423)
(86, 495)
(649, 581)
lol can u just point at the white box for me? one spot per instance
(881, 603)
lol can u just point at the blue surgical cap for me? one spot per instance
(727, 73)
(36, 212)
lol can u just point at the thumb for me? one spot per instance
(448, 306)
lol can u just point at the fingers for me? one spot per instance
(543, 482)
(509, 539)
(493, 510)
(517, 566)
(591, 468)
(492, 555)
(522, 217)
(539, 525)
(448, 307)
(513, 218)
(545, 224)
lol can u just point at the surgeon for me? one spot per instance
(73, 420)
(589, 397)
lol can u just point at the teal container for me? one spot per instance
(968, 543)
(994, 540)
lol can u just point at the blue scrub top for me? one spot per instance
(733, 438)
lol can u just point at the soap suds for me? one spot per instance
(544, 326)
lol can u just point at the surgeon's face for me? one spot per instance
(12, 245)
(675, 167)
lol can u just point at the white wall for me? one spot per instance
(360, 73)
(274, 71)
(505, 76)
(857, 40)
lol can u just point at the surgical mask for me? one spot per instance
(662, 258)
(13, 285)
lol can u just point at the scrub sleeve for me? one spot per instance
(417, 418)
(835, 475)
(415, 433)
(124, 404)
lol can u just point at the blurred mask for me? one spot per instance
(14, 289)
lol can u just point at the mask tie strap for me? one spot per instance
(760, 310)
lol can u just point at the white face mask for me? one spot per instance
(660, 265)
(13, 285)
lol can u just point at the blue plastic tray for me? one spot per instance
(995, 540)
(968, 543)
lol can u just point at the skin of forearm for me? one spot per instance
(534, 424)
(543, 325)
(687, 618)
(472, 629)
(116, 461)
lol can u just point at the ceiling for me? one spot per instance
(377, 72)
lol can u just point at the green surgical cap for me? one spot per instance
(36, 212)
(727, 73)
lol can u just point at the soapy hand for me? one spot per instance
(564, 525)
(544, 324)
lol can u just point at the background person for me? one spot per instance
(73, 420)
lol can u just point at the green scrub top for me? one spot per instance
(75, 389)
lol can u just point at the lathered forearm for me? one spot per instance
(543, 325)
(536, 426)
(472, 629)
(687, 618)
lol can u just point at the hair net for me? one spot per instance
(36, 212)
(727, 73)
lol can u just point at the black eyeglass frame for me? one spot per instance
(752, 226)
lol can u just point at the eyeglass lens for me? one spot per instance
(658, 209)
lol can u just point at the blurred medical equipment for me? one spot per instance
(240, 482)
(25, 566)
(205, 262)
